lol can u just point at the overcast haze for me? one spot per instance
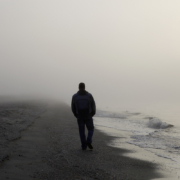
(124, 50)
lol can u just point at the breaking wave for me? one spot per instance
(157, 124)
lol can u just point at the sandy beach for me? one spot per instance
(48, 147)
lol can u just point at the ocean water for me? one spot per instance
(156, 131)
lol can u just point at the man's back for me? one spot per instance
(83, 104)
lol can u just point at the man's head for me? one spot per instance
(81, 86)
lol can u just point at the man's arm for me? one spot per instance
(93, 106)
(73, 107)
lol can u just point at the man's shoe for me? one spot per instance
(89, 146)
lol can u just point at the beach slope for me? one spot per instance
(49, 148)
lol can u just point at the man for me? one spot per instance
(84, 108)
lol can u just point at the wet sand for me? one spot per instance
(50, 149)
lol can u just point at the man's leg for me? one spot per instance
(90, 127)
(81, 125)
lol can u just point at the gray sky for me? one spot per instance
(125, 51)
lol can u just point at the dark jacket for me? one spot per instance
(82, 99)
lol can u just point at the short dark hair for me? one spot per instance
(81, 85)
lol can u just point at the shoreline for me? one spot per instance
(137, 152)
(149, 144)
(50, 149)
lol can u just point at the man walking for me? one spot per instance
(84, 108)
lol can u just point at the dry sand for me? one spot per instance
(50, 149)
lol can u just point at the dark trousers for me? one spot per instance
(90, 126)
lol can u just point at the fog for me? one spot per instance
(124, 51)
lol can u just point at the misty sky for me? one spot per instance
(125, 51)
